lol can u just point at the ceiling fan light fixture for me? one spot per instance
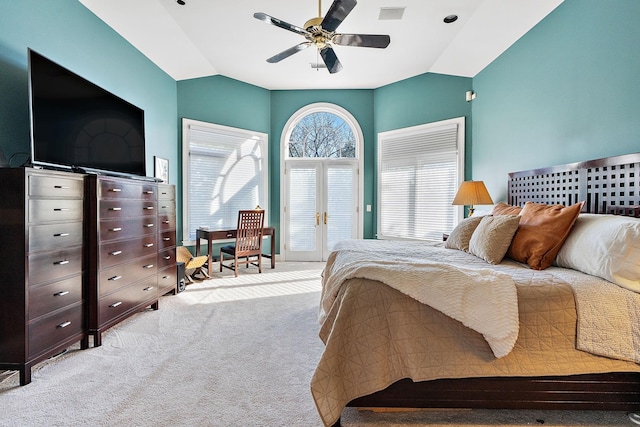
(391, 13)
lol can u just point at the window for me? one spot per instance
(224, 170)
(419, 171)
(322, 134)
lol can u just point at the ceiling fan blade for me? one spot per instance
(330, 59)
(362, 40)
(336, 14)
(287, 53)
(280, 23)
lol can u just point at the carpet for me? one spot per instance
(226, 352)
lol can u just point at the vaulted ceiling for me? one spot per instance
(209, 37)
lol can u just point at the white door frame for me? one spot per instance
(284, 150)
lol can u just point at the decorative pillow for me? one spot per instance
(460, 236)
(492, 237)
(543, 229)
(505, 209)
(607, 246)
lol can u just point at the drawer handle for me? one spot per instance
(149, 225)
(166, 221)
(115, 190)
(64, 324)
(115, 209)
(148, 245)
(61, 235)
(114, 278)
(148, 192)
(167, 257)
(115, 253)
(148, 208)
(116, 229)
(166, 239)
(61, 187)
(61, 209)
(229, 234)
(164, 207)
(61, 293)
(115, 304)
(148, 266)
(63, 262)
(148, 288)
(165, 277)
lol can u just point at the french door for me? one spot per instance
(320, 207)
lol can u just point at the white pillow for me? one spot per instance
(607, 246)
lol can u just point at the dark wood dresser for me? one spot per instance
(42, 247)
(167, 273)
(123, 239)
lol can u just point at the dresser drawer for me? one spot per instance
(166, 239)
(118, 303)
(166, 192)
(118, 189)
(167, 222)
(55, 186)
(55, 210)
(125, 250)
(49, 331)
(114, 278)
(126, 228)
(54, 296)
(166, 207)
(52, 236)
(166, 258)
(115, 209)
(50, 266)
(167, 280)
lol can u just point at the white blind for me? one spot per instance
(419, 173)
(225, 172)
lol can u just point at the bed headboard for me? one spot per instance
(609, 185)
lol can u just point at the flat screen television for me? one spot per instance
(79, 126)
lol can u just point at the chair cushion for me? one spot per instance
(229, 249)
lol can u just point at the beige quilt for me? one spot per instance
(375, 335)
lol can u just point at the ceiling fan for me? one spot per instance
(321, 32)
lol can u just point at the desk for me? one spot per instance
(211, 235)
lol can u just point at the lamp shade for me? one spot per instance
(472, 193)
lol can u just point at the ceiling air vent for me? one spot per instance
(391, 13)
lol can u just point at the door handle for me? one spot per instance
(317, 218)
(325, 218)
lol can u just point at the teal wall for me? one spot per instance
(567, 91)
(69, 34)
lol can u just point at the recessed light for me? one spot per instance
(450, 18)
(180, 2)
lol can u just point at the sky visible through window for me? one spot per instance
(322, 135)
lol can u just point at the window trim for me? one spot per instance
(246, 133)
(413, 130)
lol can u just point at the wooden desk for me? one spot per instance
(211, 235)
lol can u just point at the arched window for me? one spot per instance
(322, 134)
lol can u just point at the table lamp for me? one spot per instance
(472, 193)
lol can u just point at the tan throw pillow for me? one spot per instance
(492, 237)
(505, 209)
(460, 236)
(543, 229)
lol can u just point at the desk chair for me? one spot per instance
(248, 244)
(192, 265)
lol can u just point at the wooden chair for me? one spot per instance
(248, 244)
(192, 265)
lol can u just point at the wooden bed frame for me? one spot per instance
(610, 185)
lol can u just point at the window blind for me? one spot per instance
(420, 169)
(225, 172)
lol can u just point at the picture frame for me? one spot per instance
(161, 169)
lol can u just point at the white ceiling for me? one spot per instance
(209, 37)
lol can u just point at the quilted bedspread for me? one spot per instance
(375, 334)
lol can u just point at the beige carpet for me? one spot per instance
(226, 352)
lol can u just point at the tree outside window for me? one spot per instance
(322, 135)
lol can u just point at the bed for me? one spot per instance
(390, 341)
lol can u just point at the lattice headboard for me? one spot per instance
(609, 185)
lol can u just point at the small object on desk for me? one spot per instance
(445, 236)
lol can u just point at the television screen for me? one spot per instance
(77, 124)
